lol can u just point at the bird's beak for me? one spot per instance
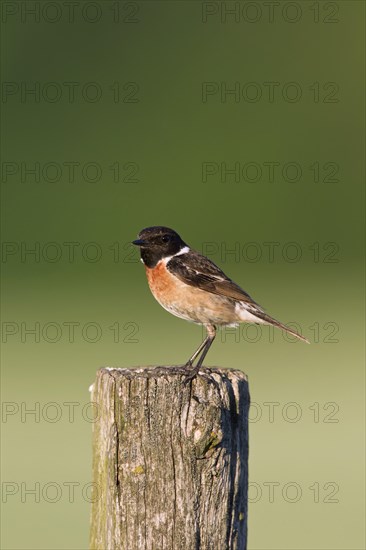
(138, 242)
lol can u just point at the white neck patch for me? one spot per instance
(183, 250)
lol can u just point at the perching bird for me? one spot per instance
(190, 286)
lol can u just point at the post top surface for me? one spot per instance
(151, 371)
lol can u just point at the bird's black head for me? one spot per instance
(157, 243)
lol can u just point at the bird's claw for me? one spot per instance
(192, 372)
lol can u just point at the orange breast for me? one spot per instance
(163, 285)
(188, 302)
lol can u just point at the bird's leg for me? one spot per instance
(197, 352)
(203, 349)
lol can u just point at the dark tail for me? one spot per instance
(267, 319)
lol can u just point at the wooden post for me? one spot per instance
(170, 461)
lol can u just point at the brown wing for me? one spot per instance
(197, 270)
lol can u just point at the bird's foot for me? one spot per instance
(192, 372)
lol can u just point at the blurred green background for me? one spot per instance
(129, 125)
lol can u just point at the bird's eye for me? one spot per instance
(165, 238)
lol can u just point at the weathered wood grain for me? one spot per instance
(170, 460)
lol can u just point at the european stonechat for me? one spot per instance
(190, 286)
